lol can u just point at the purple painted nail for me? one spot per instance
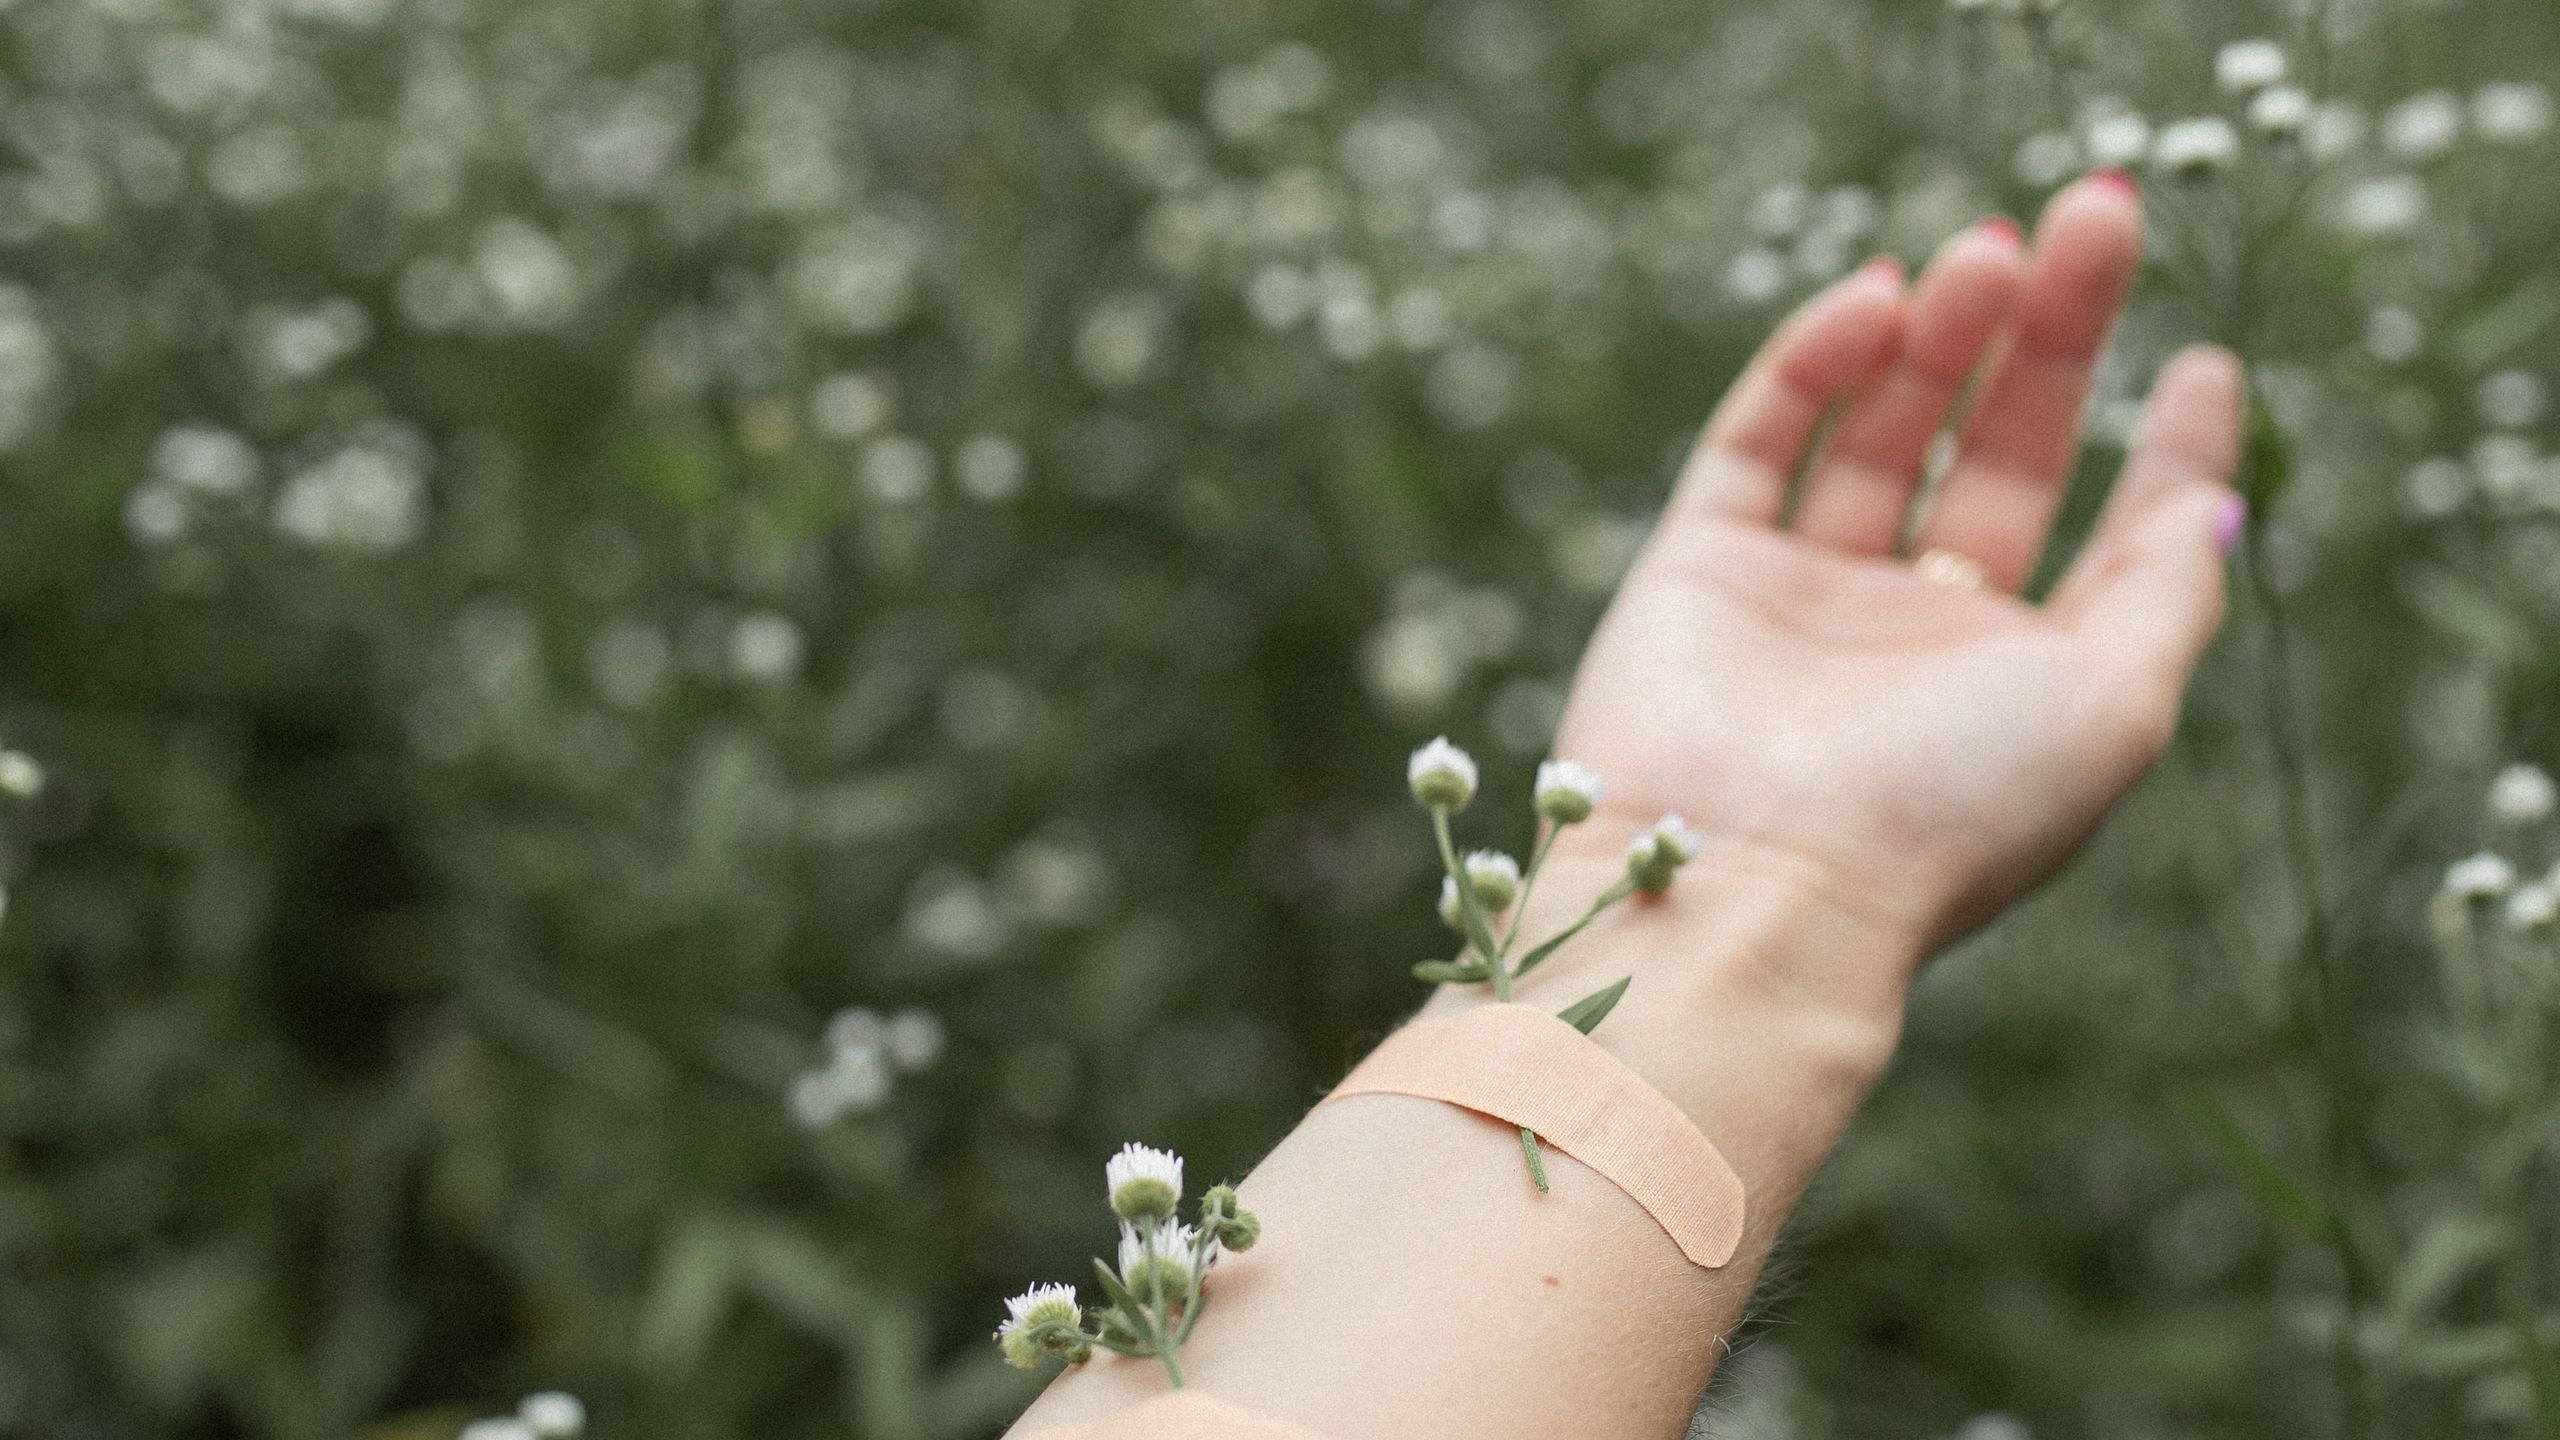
(2229, 521)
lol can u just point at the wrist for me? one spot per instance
(1760, 1003)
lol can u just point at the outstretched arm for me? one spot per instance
(1878, 757)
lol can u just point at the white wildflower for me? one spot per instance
(2533, 906)
(1145, 1183)
(1495, 877)
(1567, 793)
(2512, 111)
(914, 1038)
(855, 1027)
(1442, 775)
(2423, 126)
(1158, 1259)
(1654, 856)
(1042, 1305)
(2480, 877)
(2511, 399)
(2281, 111)
(1026, 1313)
(2117, 137)
(553, 1413)
(2385, 205)
(2196, 148)
(20, 775)
(2523, 795)
(2246, 66)
(502, 1427)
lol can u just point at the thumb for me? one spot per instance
(2147, 592)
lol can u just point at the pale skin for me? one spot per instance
(1877, 764)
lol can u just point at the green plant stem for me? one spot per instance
(1154, 1311)
(2320, 1008)
(1611, 896)
(1470, 909)
(1547, 834)
(1537, 1166)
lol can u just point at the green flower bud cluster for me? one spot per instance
(1156, 1286)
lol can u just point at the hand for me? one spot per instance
(1922, 752)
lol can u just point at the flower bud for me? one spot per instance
(2196, 149)
(1567, 793)
(2523, 795)
(1238, 1231)
(1656, 855)
(1041, 1319)
(2281, 112)
(1156, 1263)
(2533, 906)
(553, 1414)
(2245, 67)
(1450, 913)
(20, 776)
(2480, 877)
(1145, 1183)
(1443, 776)
(1235, 1228)
(1495, 878)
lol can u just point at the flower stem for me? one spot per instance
(1470, 909)
(1547, 834)
(2320, 1002)
(1537, 1167)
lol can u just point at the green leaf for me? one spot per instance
(1586, 1013)
(1545, 948)
(2541, 1370)
(1117, 1293)
(1444, 972)
(2283, 1198)
(2268, 466)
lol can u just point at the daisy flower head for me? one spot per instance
(1567, 792)
(1443, 777)
(1145, 1183)
(1495, 878)
(1032, 1319)
(1156, 1261)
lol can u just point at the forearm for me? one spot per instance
(1411, 1283)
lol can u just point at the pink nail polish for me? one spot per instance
(2229, 522)
(1889, 266)
(2118, 180)
(2003, 228)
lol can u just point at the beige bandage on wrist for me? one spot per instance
(1181, 1415)
(1524, 1066)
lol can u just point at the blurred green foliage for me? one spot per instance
(551, 546)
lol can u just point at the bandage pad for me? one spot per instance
(1524, 1066)
(1181, 1415)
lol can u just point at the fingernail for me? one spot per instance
(2230, 521)
(2119, 180)
(2002, 227)
(1889, 266)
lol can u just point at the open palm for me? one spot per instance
(1924, 746)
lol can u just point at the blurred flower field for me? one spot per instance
(664, 662)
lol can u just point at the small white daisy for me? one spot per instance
(2523, 795)
(1495, 877)
(1442, 775)
(2246, 66)
(1567, 792)
(2480, 877)
(1145, 1183)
